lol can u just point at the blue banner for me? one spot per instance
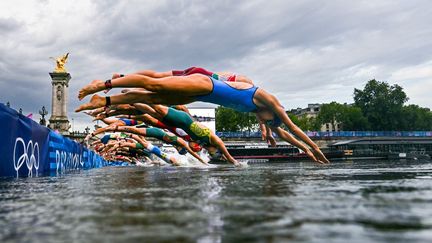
(349, 134)
(27, 148)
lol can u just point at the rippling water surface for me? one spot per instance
(361, 201)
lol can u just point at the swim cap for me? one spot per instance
(105, 139)
(195, 146)
(275, 122)
(182, 151)
(215, 155)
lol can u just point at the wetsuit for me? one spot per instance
(193, 70)
(183, 120)
(225, 95)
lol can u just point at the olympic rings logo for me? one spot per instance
(30, 155)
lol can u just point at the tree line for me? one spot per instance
(377, 107)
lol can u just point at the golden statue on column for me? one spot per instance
(60, 63)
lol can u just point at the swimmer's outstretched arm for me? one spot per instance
(149, 110)
(273, 104)
(127, 145)
(129, 114)
(293, 141)
(266, 133)
(106, 120)
(269, 137)
(299, 133)
(128, 129)
(95, 112)
(185, 145)
(155, 150)
(98, 131)
(132, 117)
(263, 129)
(97, 142)
(216, 141)
(104, 129)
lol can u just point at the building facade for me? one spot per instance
(311, 111)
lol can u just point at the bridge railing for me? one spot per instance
(336, 134)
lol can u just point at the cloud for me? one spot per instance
(302, 51)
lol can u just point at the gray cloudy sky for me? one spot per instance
(301, 51)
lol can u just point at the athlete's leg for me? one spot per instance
(108, 120)
(136, 97)
(269, 136)
(234, 78)
(150, 111)
(130, 129)
(187, 85)
(244, 79)
(149, 73)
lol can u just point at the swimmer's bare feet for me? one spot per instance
(116, 75)
(96, 101)
(320, 156)
(100, 116)
(90, 113)
(91, 88)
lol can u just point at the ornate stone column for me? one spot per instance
(59, 120)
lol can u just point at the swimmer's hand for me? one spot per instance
(241, 164)
(271, 141)
(174, 161)
(204, 162)
(320, 156)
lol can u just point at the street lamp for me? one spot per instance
(43, 113)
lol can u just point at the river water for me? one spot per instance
(347, 201)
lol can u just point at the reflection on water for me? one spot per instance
(361, 201)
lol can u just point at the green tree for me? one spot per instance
(226, 120)
(349, 117)
(331, 113)
(416, 118)
(229, 120)
(353, 119)
(381, 104)
(305, 123)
